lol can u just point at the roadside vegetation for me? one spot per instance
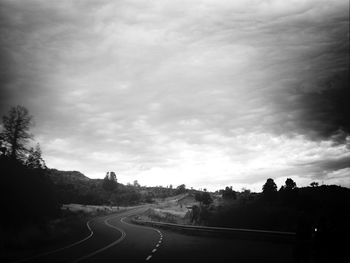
(319, 215)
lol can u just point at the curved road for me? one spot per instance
(113, 238)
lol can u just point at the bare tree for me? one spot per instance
(15, 131)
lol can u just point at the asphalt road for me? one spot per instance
(113, 238)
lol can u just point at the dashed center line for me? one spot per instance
(158, 231)
(157, 245)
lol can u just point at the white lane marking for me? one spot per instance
(122, 220)
(73, 244)
(62, 248)
(106, 247)
(111, 244)
(158, 231)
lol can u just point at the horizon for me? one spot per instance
(207, 94)
(236, 189)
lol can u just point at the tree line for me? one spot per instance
(27, 194)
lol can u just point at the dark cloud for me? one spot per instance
(319, 114)
(328, 165)
(327, 111)
(315, 103)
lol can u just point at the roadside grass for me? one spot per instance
(93, 210)
(170, 210)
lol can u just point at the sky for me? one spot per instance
(203, 92)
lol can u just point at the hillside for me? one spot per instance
(58, 176)
(75, 187)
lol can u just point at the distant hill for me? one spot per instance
(75, 187)
(58, 176)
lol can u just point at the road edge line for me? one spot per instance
(105, 247)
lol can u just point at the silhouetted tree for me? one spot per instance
(15, 133)
(290, 184)
(269, 189)
(110, 182)
(136, 184)
(181, 189)
(112, 176)
(34, 159)
(228, 193)
(288, 193)
(314, 184)
(269, 186)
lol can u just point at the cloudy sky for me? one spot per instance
(203, 92)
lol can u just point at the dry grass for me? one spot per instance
(172, 209)
(93, 209)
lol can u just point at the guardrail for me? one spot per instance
(263, 235)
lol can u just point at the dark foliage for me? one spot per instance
(198, 197)
(314, 184)
(228, 193)
(319, 215)
(110, 182)
(180, 189)
(27, 194)
(290, 184)
(269, 189)
(74, 187)
(203, 197)
(15, 133)
(34, 159)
